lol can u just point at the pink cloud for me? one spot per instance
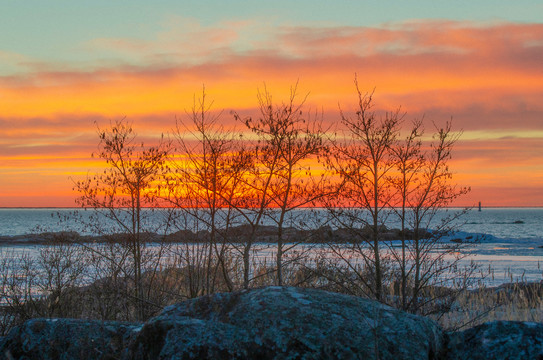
(487, 77)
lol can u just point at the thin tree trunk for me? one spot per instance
(403, 264)
(246, 263)
(377, 255)
(280, 255)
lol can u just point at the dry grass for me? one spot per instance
(110, 297)
(510, 302)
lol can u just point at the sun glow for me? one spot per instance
(435, 69)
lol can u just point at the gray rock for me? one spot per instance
(498, 340)
(186, 338)
(285, 323)
(66, 339)
(272, 323)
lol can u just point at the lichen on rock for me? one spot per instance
(288, 323)
(272, 323)
(498, 340)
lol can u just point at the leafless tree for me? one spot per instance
(124, 196)
(362, 161)
(61, 268)
(409, 162)
(425, 190)
(279, 178)
(18, 279)
(288, 139)
(206, 180)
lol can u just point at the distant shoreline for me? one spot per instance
(266, 234)
(474, 206)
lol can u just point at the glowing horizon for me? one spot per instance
(483, 72)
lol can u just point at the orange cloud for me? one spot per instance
(487, 77)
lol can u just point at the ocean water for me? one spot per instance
(510, 239)
(524, 224)
(506, 223)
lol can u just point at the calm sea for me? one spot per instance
(512, 238)
(503, 223)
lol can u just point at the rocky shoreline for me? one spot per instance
(273, 323)
(264, 234)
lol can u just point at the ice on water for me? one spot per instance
(509, 240)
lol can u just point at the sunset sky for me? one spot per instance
(66, 64)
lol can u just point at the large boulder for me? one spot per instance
(285, 323)
(65, 339)
(272, 323)
(498, 340)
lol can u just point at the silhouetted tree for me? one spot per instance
(409, 161)
(425, 190)
(362, 162)
(124, 196)
(205, 181)
(288, 139)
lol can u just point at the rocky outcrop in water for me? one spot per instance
(272, 323)
(238, 234)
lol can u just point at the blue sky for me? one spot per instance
(60, 31)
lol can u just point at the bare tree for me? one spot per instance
(61, 267)
(206, 179)
(278, 178)
(425, 189)
(288, 139)
(18, 280)
(124, 196)
(409, 161)
(254, 199)
(363, 161)
(382, 179)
